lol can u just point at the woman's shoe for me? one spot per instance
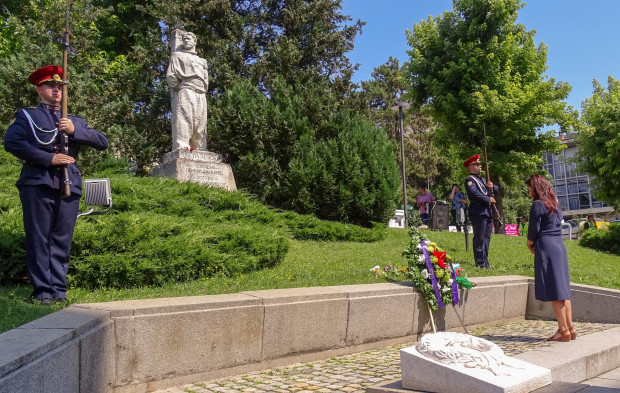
(561, 335)
(573, 332)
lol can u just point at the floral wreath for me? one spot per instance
(431, 270)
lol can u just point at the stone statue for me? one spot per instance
(188, 79)
(189, 159)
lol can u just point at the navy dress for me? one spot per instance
(551, 276)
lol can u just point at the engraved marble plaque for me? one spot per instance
(197, 166)
(449, 362)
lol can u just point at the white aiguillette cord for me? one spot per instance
(33, 125)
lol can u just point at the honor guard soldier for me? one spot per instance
(49, 218)
(480, 213)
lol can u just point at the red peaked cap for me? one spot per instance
(46, 74)
(471, 160)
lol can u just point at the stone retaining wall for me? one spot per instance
(145, 345)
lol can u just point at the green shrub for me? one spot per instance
(351, 178)
(307, 227)
(12, 254)
(164, 231)
(298, 151)
(607, 240)
(12, 251)
(160, 231)
(154, 249)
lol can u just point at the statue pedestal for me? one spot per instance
(197, 166)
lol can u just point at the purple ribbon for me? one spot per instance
(455, 290)
(431, 271)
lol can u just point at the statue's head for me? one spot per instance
(189, 40)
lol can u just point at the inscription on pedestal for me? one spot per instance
(197, 166)
(207, 170)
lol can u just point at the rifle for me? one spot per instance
(65, 189)
(461, 219)
(490, 189)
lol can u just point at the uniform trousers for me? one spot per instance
(482, 227)
(49, 221)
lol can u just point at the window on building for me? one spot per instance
(560, 189)
(584, 201)
(563, 200)
(583, 184)
(547, 158)
(573, 202)
(572, 186)
(559, 171)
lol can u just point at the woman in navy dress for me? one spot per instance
(544, 239)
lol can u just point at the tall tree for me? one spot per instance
(599, 142)
(476, 66)
(386, 88)
(116, 86)
(119, 56)
(426, 162)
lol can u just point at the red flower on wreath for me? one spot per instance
(441, 257)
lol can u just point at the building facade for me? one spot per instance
(572, 188)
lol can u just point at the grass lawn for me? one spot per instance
(310, 263)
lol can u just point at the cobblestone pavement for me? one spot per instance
(353, 373)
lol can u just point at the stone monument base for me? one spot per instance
(197, 166)
(420, 373)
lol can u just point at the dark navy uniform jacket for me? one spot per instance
(480, 202)
(21, 141)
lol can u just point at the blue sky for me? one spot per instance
(582, 36)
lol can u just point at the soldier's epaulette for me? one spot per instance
(29, 109)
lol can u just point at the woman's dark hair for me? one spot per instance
(456, 185)
(543, 192)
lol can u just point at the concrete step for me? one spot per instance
(604, 383)
(579, 360)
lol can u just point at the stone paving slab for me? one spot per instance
(609, 380)
(354, 373)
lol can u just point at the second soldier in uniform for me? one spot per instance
(480, 213)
